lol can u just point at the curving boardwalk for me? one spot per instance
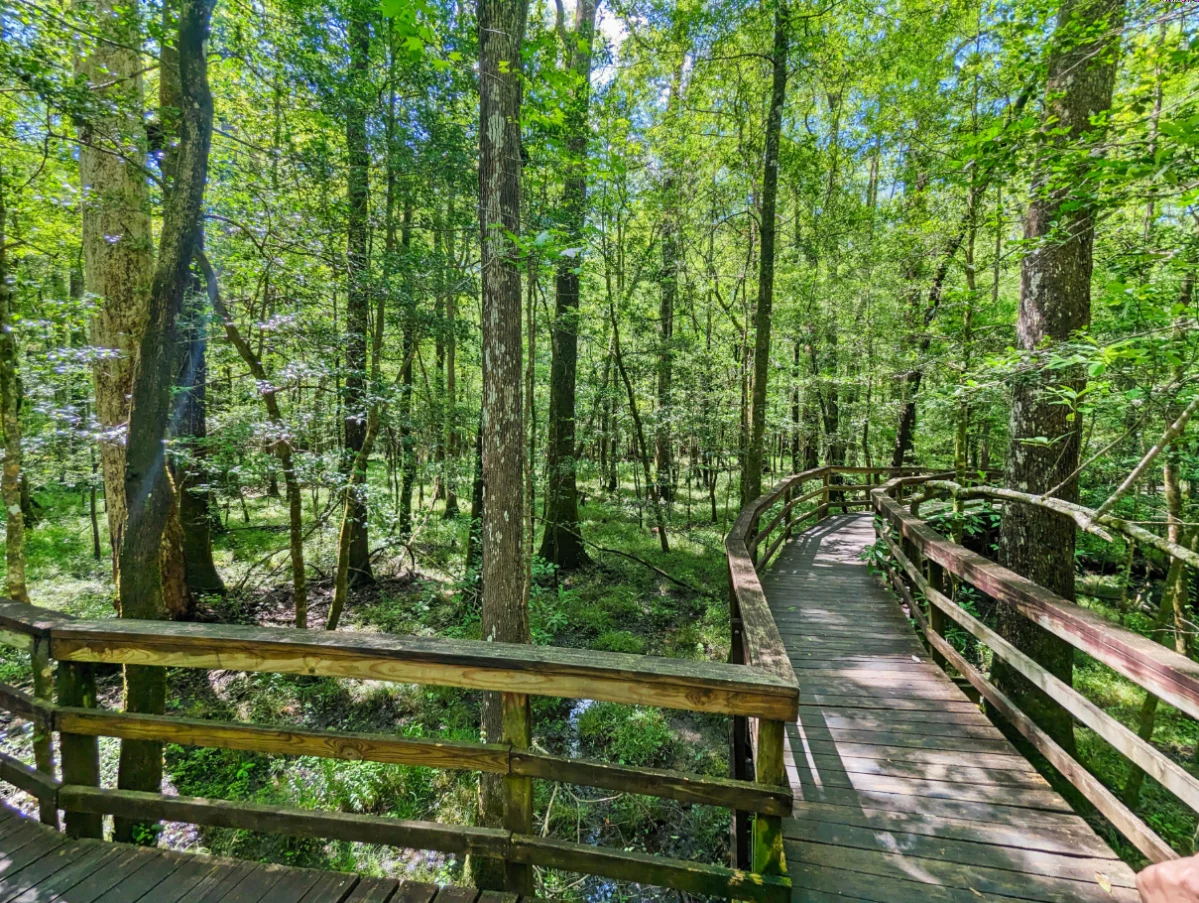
(904, 791)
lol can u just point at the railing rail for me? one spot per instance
(515, 671)
(925, 568)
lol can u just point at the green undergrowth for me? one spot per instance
(617, 604)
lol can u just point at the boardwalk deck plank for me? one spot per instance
(904, 791)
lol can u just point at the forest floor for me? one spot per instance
(618, 604)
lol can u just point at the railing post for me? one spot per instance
(769, 769)
(43, 742)
(740, 760)
(787, 515)
(518, 790)
(936, 617)
(80, 754)
(823, 512)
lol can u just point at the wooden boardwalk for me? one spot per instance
(38, 865)
(904, 791)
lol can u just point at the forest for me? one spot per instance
(484, 321)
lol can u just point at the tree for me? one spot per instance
(561, 543)
(751, 485)
(118, 249)
(358, 290)
(505, 611)
(10, 425)
(1055, 303)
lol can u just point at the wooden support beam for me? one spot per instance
(518, 789)
(80, 754)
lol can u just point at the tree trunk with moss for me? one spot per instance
(148, 490)
(1055, 302)
(10, 426)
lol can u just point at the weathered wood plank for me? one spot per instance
(388, 890)
(693, 877)
(537, 670)
(286, 741)
(892, 866)
(1071, 837)
(653, 782)
(963, 852)
(295, 822)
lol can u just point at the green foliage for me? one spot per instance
(630, 735)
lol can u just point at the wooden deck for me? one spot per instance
(38, 865)
(904, 791)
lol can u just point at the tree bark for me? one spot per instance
(752, 479)
(10, 425)
(118, 249)
(195, 499)
(505, 612)
(358, 272)
(148, 492)
(561, 543)
(1055, 302)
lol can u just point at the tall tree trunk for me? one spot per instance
(118, 249)
(358, 271)
(195, 499)
(561, 543)
(407, 443)
(752, 480)
(453, 437)
(505, 611)
(10, 425)
(1055, 301)
(148, 493)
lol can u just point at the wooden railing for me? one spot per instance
(756, 742)
(925, 569)
(740, 691)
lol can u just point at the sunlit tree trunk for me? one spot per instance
(505, 612)
(10, 425)
(147, 482)
(1055, 302)
(118, 249)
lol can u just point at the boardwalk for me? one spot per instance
(38, 865)
(904, 791)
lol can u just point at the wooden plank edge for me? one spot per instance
(421, 835)
(688, 788)
(24, 777)
(643, 868)
(492, 758)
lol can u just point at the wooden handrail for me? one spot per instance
(513, 670)
(1157, 669)
(537, 670)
